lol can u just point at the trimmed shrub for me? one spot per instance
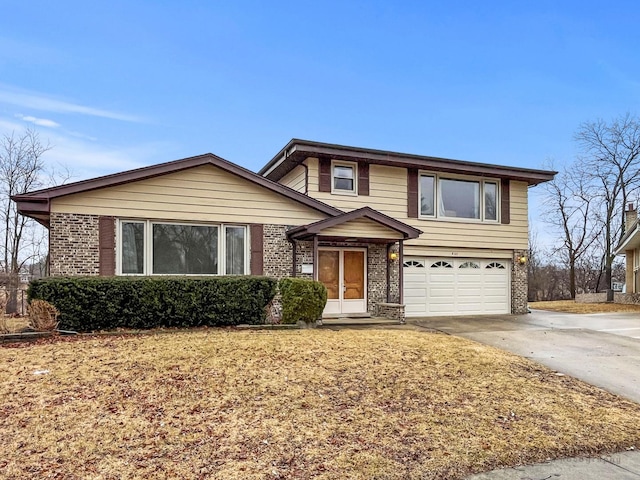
(302, 300)
(105, 303)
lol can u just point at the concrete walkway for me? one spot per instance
(620, 466)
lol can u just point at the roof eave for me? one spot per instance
(297, 150)
(633, 234)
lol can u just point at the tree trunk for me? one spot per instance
(572, 279)
(13, 285)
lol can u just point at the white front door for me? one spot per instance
(343, 272)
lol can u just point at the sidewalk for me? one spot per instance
(618, 466)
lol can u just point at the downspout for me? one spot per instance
(306, 178)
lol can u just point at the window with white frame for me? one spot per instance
(463, 198)
(146, 247)
(343, 177)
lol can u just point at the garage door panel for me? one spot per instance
(456, 286)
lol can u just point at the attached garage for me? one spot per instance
(456, 286)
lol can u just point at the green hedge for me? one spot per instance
(105, 303)
(302, 300)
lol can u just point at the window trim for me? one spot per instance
(354, 168)
(437, 177)
(148, 247)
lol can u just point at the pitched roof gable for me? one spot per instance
(37, 204)
(306, 231)
(297, 150)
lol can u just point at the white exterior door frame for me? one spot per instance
(341, 299)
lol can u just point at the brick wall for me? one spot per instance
(628, 298)
(304, 256)
(394, 279)
(277, 252)
(376, 276)
(73, 244)
(519, 283)
(599, 297)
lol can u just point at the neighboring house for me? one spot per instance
(629, 246)
(380, 229)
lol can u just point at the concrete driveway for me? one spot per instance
(601, 349)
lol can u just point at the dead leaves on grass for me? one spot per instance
(305, 404)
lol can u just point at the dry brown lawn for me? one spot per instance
(570, 306)
(12, 324)
(348, 404)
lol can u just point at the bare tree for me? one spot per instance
(569, 202)
(21, 170)
(610, 161)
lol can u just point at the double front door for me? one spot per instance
(343, 272)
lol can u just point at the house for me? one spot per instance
(387, 233)
(629, 246)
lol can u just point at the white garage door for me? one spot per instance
(460, 286)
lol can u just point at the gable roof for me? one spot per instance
(37, 204)
(297, 150)
(307, 231)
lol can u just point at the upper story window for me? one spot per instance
(157, 248)
(343, 177)
(445, 197)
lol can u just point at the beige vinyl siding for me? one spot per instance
(388, 194)
(387, 191)
(361, 228)
(443, 252)
(295, 179)
(200, 194)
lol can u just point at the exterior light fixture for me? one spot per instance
(522, 260)
(393, 256)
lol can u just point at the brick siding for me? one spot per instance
(519, 283)
(277, 252)
(74, 244)
(377, 276)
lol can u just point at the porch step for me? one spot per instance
(357, 321)
(334, 316)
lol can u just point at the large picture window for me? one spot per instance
(185, 249)
(463, 198)
(157, 248)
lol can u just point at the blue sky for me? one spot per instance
(122, 84)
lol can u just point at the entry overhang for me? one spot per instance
(363, 224)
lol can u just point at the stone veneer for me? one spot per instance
(519, 303)
(73, 244)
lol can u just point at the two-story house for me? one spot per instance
(382, 230)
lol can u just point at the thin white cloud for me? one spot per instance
(88, 159)
(41, 122)
(85, 158)
(37, 101)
